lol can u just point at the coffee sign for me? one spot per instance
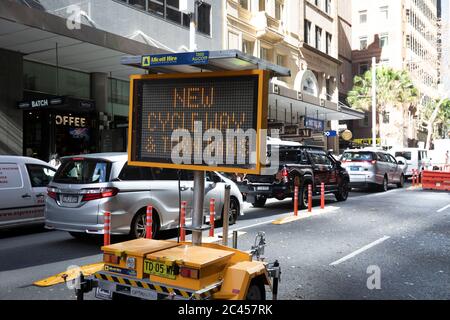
(71, 121)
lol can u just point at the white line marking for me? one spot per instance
(253, 225)
(443, 209)
(351, 255)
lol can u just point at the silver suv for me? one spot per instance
(372, 168)
(85, 187)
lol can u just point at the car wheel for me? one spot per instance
(138, 225)
(401, 184)
(342, 194)
(256, 291)
(303, 196)
(259, 202)
(233, 214)
(384, 186)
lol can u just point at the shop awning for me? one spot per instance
(45, 38)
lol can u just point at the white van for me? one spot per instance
(417, 159)
(23, 187)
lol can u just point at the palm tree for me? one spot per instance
(395, 94)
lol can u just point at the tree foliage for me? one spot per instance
(393, 88)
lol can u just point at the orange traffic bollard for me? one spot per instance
(322, 195)
(309, 197)
(149, 223)
(211, 216)
(296, 201)
(107, 228)
(183, 221)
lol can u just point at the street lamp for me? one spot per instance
(374, 102)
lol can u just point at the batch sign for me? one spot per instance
(204, 121)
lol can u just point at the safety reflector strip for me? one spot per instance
(201, 295)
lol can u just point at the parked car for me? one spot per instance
(87, 186)
(372, 168)
(298, 166)
(403, 164)
(417, 159)
(23, 186)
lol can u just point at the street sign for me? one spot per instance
(314, 124)
(207, 121)
(175, 59)
(330, 133)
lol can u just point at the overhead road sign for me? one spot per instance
(191, 62)
(200, 109)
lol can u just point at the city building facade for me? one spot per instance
(403, 35)
(303, 36)
(67, 91)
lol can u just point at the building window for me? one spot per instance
(318, 38)
(140, 4)
(244, 4)
(384, 12)
(204, 18)
(317, 3)
(328, 43)
(264, 54)
(278, 10)
(329, 89)
(248, 47)
(384, 40)
(281, 60)
(328, 6)
(307, 32)
(363, 17)
(362, 43)
(262, 5)
(363, 68)
(156, 7)
(233, 40)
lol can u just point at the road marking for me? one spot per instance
(351, 255)
(443, 209)
(254, 225)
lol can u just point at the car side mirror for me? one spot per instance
(216, 178)
(400, 163)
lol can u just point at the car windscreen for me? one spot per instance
(83, 171)
(404, 154)
(358, 156)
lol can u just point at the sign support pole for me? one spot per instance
(197, 215)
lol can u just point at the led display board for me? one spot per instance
(208, 121)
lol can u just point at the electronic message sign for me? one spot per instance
(208, 121)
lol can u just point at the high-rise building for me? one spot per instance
(404, 35)
(302, 35)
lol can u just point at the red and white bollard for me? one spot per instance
(107, 228)
(322, 195)
(149, 223)
(309, 197)
(414, 177)
(183, 221)
(296, 201)
(212, 213)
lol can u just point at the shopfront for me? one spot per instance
(58, 124)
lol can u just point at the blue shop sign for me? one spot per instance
(175, 59)
(315, 124)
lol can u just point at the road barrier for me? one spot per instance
(107, 228)
(183, 221)
(149, 223)
(322, 195)
(211, 216)
(436, 180)
(309, 197)
(296, 201)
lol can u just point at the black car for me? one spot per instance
(298, 166)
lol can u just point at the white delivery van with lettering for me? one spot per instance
(23, 187)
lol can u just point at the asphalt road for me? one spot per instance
(402, 234)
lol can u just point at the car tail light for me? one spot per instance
(95, 194)
(52, 193)
(189, 273)
(111, 258)
(285, 175)
(373, 161)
